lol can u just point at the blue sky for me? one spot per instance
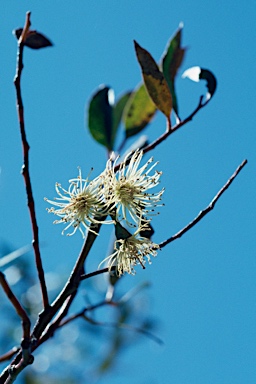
(203, 285)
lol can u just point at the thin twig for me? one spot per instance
(83, 311)
(17, 306)
(180, 124)
(98, 272)
(25, 321)
(8, 355)
(206, 210)
(121, 326)
(25, 167)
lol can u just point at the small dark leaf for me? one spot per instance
(113, 278)
(147, 232)
(211, 82)
(34, 39)
(121, 232)
(197, 74)
(100, 117)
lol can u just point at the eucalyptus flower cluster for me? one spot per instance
(123, 194)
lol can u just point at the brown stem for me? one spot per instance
(207, 209)
(25, 167)
(70, 288)
(8, 355)
(16, 304)
(25, 343)
(98, 272)
(49, 332)
(67, 295)
(180, 124)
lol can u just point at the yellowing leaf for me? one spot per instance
(138, 112)
(154, 80)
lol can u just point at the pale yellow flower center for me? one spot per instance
(125, 192)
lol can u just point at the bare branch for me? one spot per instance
(125, 326)
(25, 167)
(206, 210)
(16, 304)
(98, 272)
(180, 124)
(69, 289)
(44, 318)
(83, 311)
(25, 343)
(8, 355)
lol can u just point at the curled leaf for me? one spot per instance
(211, 82)
(154, 80)
(34, 39)
(197, 74)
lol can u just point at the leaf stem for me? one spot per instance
(180, 124)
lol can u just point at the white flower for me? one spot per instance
(131, 251)
(127, 189)
(81, 206)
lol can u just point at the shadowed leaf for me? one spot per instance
(170, 63)
(100, 118)
(34, 39)
(154, 80)
(118, 110)
(147, 232)
(197, 74)
(121, 232)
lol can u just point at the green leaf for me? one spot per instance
(100, 118)
(171, 61)
(197, 74)
(154, 80)
(118, 111)
(138, 112)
